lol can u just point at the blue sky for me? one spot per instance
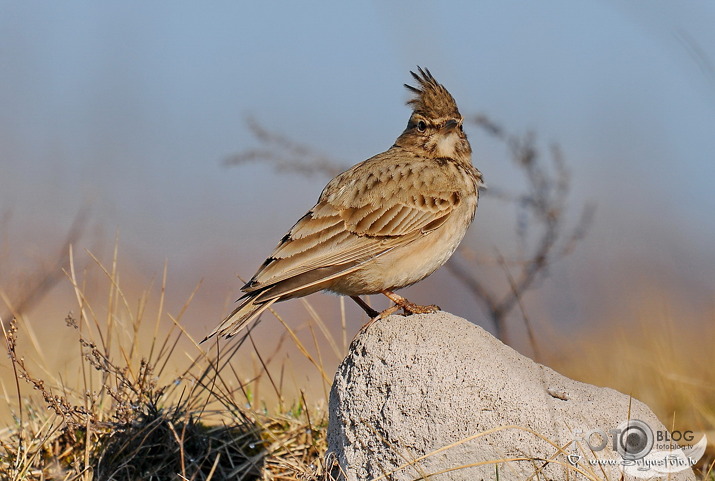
(132, 106)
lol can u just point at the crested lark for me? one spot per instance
(385, 223)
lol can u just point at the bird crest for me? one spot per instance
(431, 98)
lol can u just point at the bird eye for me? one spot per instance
(461, 128)
(421, 126)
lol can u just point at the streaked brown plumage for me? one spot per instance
(384, 224)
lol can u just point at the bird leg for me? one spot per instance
(371, 313)
(400, 303)
(407, 306)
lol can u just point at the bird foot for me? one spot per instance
(372, 313)
(377, 316)
(408, 307)
(411, 308)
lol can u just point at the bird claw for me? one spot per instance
(410, 308)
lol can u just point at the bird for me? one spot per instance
(384, 224)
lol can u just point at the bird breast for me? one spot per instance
(410, 263)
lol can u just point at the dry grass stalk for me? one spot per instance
(129, 417)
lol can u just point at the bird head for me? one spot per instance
(435, 126)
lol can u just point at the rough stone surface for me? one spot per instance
(413, 389)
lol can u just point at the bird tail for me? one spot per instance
(247, 311)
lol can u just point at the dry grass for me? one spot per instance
(665, 359)
(143, 400)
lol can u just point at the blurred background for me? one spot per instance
(118, 118)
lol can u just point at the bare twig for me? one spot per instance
(284, 154)
(543, 204)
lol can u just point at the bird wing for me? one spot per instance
(361, 215)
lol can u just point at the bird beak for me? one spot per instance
(450, 125)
